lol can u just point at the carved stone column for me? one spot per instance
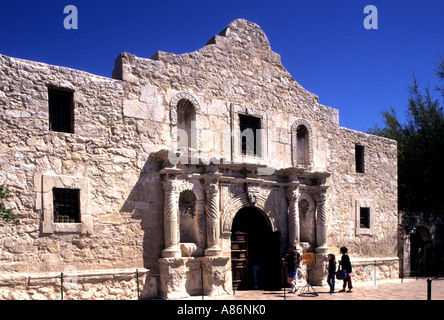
(321, 222)
(293, 215)
(212, 215)
(170, 218)
(319, 273)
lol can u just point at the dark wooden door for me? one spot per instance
(239, 260)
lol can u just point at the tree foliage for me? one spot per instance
(420, 147)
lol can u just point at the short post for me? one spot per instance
(202, 279)
(429, 289)
(285, 284)
(285, 290)
(375, 272)
(137, 279)
(61, 286)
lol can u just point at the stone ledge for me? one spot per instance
(367, 261)
(26, 278)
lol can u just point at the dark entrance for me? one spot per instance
(255, 251)
(421, 252)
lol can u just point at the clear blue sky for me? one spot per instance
(322, 43)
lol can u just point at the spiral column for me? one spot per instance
(170, 218)
(321, 222)
(212, 215)
(292, 195)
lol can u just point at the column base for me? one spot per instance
(213, 251)
(172, 278)
(172, 252)
(217, 276)
(322, 249)
(319, 272)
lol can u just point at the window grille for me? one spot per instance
(364, 218)
(61, 110)
(250, 135)
(66, 205)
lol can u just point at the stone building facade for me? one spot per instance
(159, 167)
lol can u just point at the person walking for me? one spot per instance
(292, 262)
(346, 265)
(331, 272)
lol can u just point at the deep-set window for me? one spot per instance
(359, 155)
(364, 218)
(251, 140)
(66, 205)
(61, 110)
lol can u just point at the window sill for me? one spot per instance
(68, 228)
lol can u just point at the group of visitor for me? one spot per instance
(293, 260)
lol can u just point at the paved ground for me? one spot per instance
(408, 289)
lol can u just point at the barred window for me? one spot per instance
(364, 218)
(250, 135)
(61, 110)
(66, 205)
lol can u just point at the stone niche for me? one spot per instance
(191, 220)
(189, 228)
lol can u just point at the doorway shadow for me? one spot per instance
(263, 269)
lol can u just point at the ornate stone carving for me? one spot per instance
(184, 95)
(170, 203)
(212, 207)
(188, 249)
(235, 189)
(213, 217)
(170, 218)
(252, 193)
(321, 221)
(292, 194)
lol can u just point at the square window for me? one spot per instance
(61, 110)
(66, 204)
(359, 155)
(251, 141)
(364, 218)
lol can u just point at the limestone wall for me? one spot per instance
(376, 188)
(97, 285)
(105, 152)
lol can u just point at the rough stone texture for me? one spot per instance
(96, 285)
(120, 152)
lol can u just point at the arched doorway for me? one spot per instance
(255, 251)
(420, 252)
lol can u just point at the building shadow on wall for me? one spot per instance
(145, 203)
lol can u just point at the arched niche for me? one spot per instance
(185, 121)
(189, 224)
(307, 221)
(302, 143)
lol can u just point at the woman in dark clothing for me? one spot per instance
(346, 265)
